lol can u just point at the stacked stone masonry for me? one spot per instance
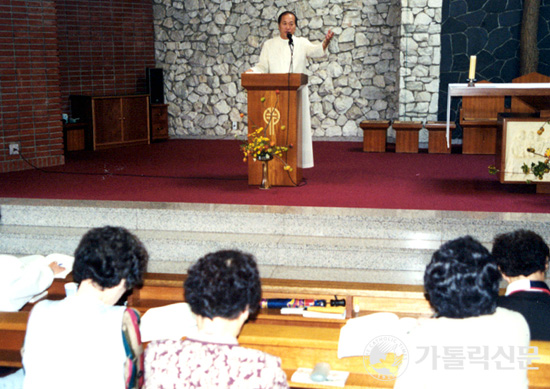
(205, 45)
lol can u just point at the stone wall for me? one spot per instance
(204, 46)
(420, 56)
(489, 29)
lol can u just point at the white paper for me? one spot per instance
(62, 260)
(324, 315)
(358, 332)
(172, 321)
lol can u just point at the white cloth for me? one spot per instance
(275, 58)
(74, 343)
(13, 381)
(21, 279)
(453, 353)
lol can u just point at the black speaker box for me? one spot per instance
(155, 85)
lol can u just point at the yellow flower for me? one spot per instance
(547, 153)
(541, 130)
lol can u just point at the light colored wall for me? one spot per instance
(204, 46)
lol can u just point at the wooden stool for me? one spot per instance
(437, 137)
(479, 137)
(406, 136)
(374, 135)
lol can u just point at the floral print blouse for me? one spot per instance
(193, 363)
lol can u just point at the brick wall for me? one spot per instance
(51, 49)
(104, 47)
(29, 85)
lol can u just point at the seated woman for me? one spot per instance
(222, 289)
(81, 341)
(470, 343)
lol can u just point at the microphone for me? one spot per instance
(289, 36)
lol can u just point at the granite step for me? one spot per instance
(176, 234)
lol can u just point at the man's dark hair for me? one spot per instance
(521, 252)
(462, 279)
(223, 284)
(108, 255)
(288, 13)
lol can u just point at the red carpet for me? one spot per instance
(212, 171)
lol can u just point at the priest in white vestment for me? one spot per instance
(275, 57)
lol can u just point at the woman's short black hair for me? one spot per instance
(521, 252)
(223, 284)
(107, 255)
(288, 13)
(462, 279)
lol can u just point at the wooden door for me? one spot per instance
(107, 115)
(135, 114)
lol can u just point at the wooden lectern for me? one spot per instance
(275, 111)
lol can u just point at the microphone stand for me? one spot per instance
(291, 45)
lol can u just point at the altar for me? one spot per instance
(536, 95)
(514, 134)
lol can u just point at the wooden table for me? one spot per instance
(534, 94)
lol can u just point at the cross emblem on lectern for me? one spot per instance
(271, 118)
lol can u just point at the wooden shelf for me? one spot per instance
(116, 120)
(159, 122)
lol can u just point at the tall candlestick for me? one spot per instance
(472, 74)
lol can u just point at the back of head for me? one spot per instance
(521, 252)
(223, 284)
(462, 279)
(108, 255)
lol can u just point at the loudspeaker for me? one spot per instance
(155, 85)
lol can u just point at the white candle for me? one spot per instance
(472, 74)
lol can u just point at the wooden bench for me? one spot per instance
(12, 335)
(297, 346)
(405, 300)
(303, 347)
(161, 289)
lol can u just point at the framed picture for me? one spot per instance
(515, 136)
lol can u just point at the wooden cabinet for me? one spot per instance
(116, 120)
(76, 136)
(159, 122)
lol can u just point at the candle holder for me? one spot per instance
(471, 81)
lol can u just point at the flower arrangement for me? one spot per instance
(542, 167)
(539, 169)
(259, 147)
